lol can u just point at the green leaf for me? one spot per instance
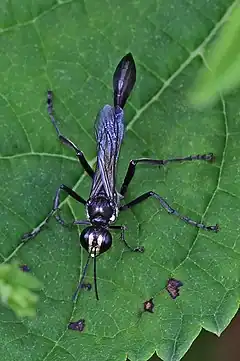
(73, 48)
(15, 290)
(223, 63)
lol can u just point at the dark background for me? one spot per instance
(209, 347)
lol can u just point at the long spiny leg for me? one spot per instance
(56, 201)
(65, 140)
(122, 237)
(169, 209)
(133, 163)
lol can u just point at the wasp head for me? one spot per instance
(96, 240)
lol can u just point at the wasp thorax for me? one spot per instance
(96, 240)
(101, 211)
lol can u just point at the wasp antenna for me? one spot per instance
(74, 298)
(124, 79)
(95, 275)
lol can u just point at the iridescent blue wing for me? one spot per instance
(109, 135)
(110, 129)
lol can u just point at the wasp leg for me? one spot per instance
(56, 201)
(132, 165)
(169, 209)
(123, 228)
(65, 140)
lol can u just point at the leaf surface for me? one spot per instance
(72, 48)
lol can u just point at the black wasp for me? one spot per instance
(103, 205)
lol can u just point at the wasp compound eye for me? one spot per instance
(95, 240)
